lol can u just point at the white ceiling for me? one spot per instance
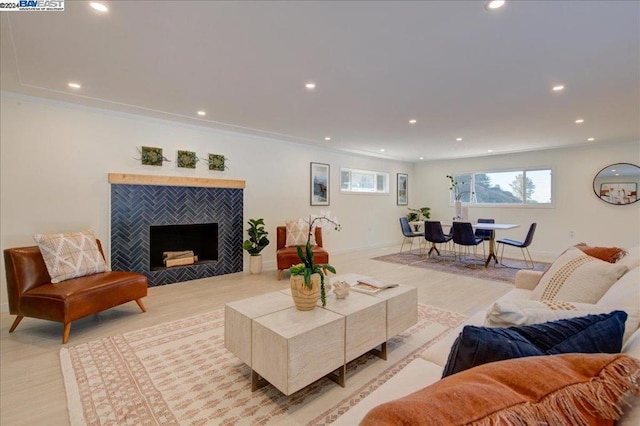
(458, 69)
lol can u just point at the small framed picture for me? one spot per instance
(319, 184)
(403, 189)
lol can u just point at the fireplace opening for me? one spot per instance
(202, 239)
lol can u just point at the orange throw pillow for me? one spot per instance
(608, 254)
(555, 389)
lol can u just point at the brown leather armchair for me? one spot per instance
(31, 293)
(288, 256)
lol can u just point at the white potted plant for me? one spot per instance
(454, 187)
(255, 244)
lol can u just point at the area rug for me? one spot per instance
(468, 266)
(179, 373)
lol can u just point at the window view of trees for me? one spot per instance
(519, 187)
(510, 187)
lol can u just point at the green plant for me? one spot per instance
(257, 237)
(308, 267)
(421, 213)
(457, 192)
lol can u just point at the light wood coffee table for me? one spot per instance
(291, 349)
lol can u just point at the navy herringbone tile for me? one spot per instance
(134, 208)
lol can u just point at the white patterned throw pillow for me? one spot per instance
(70, 255)
(518, 312)
(577, 277)
(297, 233)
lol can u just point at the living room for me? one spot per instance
(56, 155)
(68, 163)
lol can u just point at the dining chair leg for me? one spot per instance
(525, 253)
(526, 250)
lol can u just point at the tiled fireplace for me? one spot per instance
(189, 213)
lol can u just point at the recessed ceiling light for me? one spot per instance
(311, 85)
(99, 7)
(327, 138)
(202, 113)
(494, 4)
(579, 121)
(489, 150)
(74, 85)
(413, 121)
(558, 88)
(459, 139)
(382, 150)
(421, 158)
(591, 139)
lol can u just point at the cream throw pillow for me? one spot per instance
(70, 255)
(516, 312)
(297, 232)
(577, 277)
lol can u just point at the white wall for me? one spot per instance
(576, 206)
(55, 159)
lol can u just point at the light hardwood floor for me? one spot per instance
(31, 387)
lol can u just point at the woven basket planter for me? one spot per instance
(305, 298)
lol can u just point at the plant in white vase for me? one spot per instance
(458, 193)
(256, 243)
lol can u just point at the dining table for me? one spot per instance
(485, 226)
(492, 240)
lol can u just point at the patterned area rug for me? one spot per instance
(462, 266)
(180, 373)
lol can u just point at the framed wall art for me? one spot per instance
(319, 184)
(402, 196)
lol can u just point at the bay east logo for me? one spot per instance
(32, 6)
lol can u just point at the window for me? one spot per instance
(364, 181)
(514, 187)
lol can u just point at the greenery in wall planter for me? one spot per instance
(255, 244)
(217, 162)
(151, 156)
(187, 159)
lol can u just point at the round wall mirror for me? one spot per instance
(618, 183)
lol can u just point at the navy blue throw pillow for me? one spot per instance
(588, 334)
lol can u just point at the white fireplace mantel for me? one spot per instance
(133, 179)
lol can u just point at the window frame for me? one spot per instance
(523, 204)
(374, 173)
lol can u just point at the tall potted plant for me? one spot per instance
(307, 277)
(255, 244)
